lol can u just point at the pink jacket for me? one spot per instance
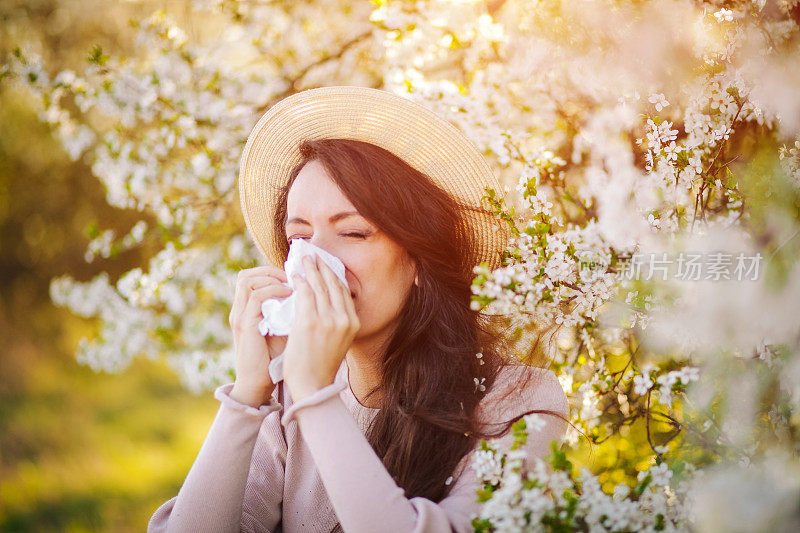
(310, 466)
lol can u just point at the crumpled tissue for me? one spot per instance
(279, 312)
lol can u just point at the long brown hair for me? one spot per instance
(427, 418)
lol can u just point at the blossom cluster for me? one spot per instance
(530, 494)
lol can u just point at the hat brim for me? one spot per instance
(417, 135)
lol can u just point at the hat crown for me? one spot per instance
(414, 133)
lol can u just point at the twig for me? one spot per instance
(711, 165)
(647, 423)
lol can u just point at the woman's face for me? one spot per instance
(379, 272)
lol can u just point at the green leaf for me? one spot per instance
(484, 495)
(558, 458)
(480, 279)
(481, 524)
(529, 484)
(519, 430)
(92, 230)
(643, 484)
(97, 56)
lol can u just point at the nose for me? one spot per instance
(319, 242)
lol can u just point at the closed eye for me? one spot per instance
(353, 235)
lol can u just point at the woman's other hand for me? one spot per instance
(323, 330)
(254, 351)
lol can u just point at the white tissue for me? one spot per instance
(279, 312)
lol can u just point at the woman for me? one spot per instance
(388, 384)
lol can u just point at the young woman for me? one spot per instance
(390, 383)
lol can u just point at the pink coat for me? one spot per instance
(310, 466)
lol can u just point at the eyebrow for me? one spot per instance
(332, 219)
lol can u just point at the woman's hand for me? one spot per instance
(322, 332)
(253, 385)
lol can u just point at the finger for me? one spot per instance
(314, 279)
(340, 297)
(336, 289)
(350, 307)
(261, 292)
(245, 276)
(270, 290)
(258, 283)
(252, 310)
(306, 304)
(332, 285)
(247, 281)
(271, 270)
(243, 290)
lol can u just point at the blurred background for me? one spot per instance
(618, 124)
(79, 450)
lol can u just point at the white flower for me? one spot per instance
(724, 15)
(534, 422)
(642, 384)
(661, 474)
(659, 100)
(487, 466)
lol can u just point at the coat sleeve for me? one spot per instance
(212, 497)
(363, 493)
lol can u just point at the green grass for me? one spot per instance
(84, 451)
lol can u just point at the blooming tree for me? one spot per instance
(650, 153)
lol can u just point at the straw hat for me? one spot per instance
(409, 130)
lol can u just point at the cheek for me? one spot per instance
(362, 268)
(375, 280)
(380, 298)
